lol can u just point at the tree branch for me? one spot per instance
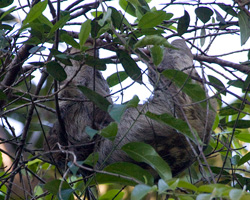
(242, 68)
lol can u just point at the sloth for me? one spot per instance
(134, 125)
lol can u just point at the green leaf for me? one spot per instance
(84, 32)
(62, 57)
(142, 152)
(152, 19)
(99, 64)
(244, 23)
(182, 184)
(35, 12)
(1, 159)
(5, 3)
(147, 31)
(237, 194)
(157, 54)
(183, 81)
(116, 78)
(128, 7)
(56, 71)
(117, 18)
(246, 83)
(153, 40)
(93, 96)
(228, 9)
(91, 132)
(236, 83)
(112, 194)
(73, 168)
(244, 159)
(217, 82)
(162, 186)
(59, 24)
(130, 66)
(141, 191)
(129, 170)
(106, 17)
(7, 12)
(244, 137)
(36, 49)
(219, 17)
(110, 131)
(204, 14)
(231, 109)
(235, 159)
(2, 95)
(239, 124)
(92, 159)
(183, 23)
(175, 123)
(69, 40)
(53, 186)
(116, 111)
(203, 38)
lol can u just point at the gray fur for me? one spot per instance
(170, 144)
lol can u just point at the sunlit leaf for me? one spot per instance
(69, 40)
(106, 17)
(162, 186)
(152, 19)
(84, 32)
(128, 7)
(6, 13)
(112, 194)
(35, 12)
(59, 24)
(153, 40)
(244, 159)
(157, 54)
(182, 184)
(244, 137)
(141, 191)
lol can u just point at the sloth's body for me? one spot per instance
(171, 145)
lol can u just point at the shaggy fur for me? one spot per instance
(171, 145)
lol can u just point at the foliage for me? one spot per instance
(36, 43)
